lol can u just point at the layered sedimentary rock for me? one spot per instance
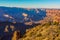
(54, 14)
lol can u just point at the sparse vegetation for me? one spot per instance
(47, 31)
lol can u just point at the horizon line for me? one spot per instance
(28, 7)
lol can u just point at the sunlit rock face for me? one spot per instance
(54, 14)
(21, 14)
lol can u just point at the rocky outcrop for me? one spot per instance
(16, 35)
(54, 14)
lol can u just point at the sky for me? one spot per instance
(31, 3)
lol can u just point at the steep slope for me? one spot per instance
(15, 22)
(43, 32)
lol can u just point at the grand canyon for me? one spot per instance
(29, 23)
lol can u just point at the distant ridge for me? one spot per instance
(30, 8)
(7, 13)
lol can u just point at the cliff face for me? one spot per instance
(25, 23)
(46, 31)
(54, 14)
